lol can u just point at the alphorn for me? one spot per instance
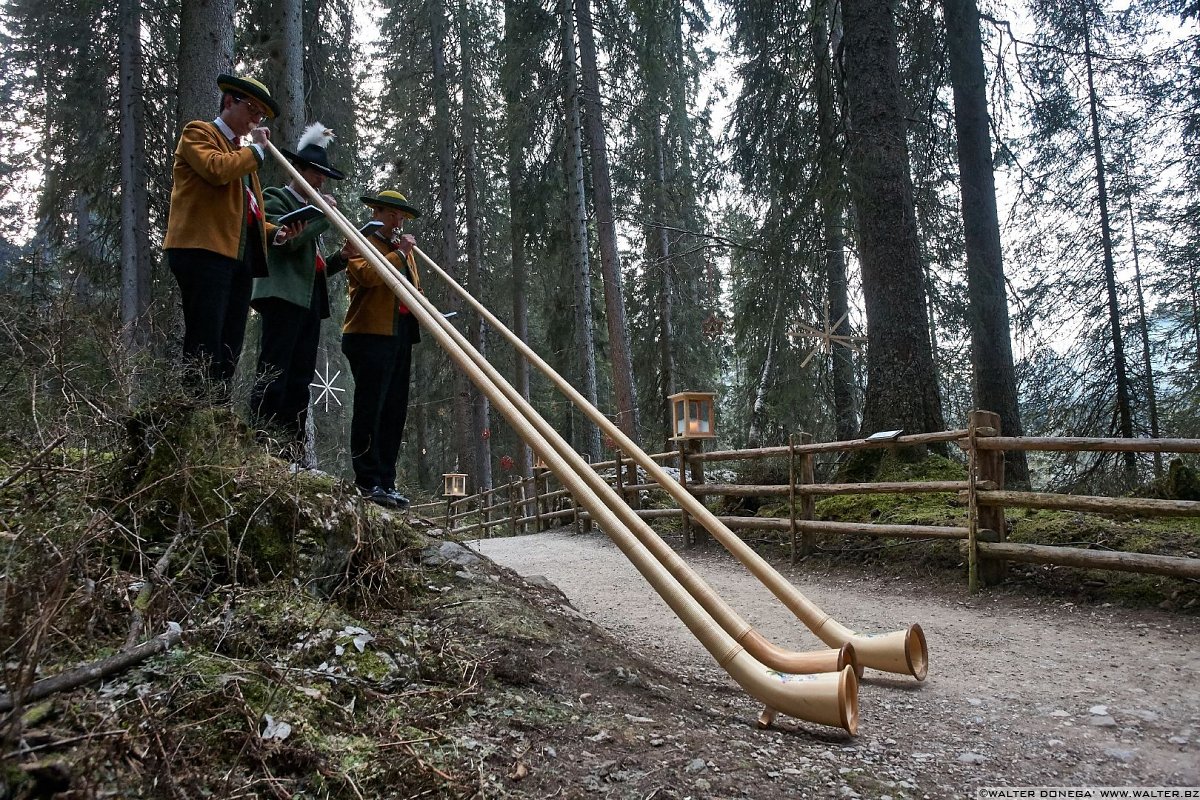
(829, 698)
(903, 652)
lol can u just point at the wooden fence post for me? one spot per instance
(512, 507)
(619, 484)
(696, 466)
(793, 555)
(808, 541)
(989, 520)
(538, 500)
(683, 480)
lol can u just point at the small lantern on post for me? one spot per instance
(692, 415)
(692, 421)
(455, 485)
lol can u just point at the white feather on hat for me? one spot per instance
(317, 134)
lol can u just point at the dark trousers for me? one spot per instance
(215, 293)
(381, 366)
(286, 362)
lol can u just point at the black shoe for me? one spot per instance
(378, 495)
(400, 500)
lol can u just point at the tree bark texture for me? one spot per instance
(205, 51)
(517, 133)
(1124, 411)
(901, 377)
(606, 231)
(448, 208)
(666, 290)
(577, 222)
(833, 213)
(285, 68)
(135, 232)
(480, 411)
(766, 380)
(1144, 326)
(994, 384)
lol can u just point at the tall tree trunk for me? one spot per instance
(577, 222)
(517, 133)
(205, 51)
(285, 65)
(666, 291)
(766, 378)
(447, 206)
(1124, 410)
(1143, 323)
(135, 231)
(606, 231)
(478, 331)
(833, 200)
(901, 377)
(994, 381)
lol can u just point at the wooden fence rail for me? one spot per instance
(983, 493)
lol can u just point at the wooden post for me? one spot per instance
(696, 466)
(585, 524)
(989, 520)
(683, 480)
(634, 500)
(512, 507)
(537, 499)
(620, 481)
(808, 543)
(972, 508)
(792, 495)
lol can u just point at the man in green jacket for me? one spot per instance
(293, 299)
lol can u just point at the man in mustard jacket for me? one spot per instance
(377, 339)
(293, 299)
(217, 236)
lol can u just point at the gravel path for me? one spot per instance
(1021, 690)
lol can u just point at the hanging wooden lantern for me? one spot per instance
(456, 484)
(692, 415)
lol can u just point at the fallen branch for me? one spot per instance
(99, 669)
(157, 576)
(32, 462)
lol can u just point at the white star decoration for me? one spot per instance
(325, 384)
(826, 338)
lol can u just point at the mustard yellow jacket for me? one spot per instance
(208, 198)
(374, 308)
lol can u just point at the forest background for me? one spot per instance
(657, 195)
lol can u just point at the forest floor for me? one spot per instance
(430, 671)
(1023, 690)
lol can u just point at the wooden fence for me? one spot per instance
(533, 504)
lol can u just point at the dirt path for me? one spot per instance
(1021, 691)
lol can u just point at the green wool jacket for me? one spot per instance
(292, 266)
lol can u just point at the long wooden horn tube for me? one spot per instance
(828, 698)
(778, 658)
(904, 652)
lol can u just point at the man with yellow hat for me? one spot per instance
(217, 236)
(377, 339)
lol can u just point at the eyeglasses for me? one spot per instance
(256, 112)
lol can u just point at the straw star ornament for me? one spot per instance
(826, 338)
(326, 384)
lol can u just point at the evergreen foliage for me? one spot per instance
(728, 155)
